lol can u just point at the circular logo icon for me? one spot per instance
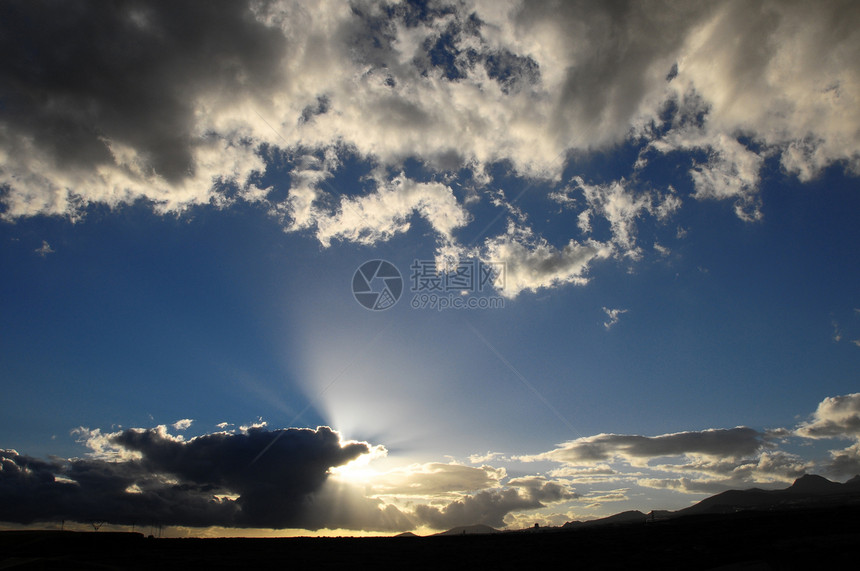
(377, 285)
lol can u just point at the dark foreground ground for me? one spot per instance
(816, 539)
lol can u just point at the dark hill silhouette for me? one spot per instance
(807, 491)
(478, 529)
(406, 534)
(804, 538)
(813, 484)
(632, 516)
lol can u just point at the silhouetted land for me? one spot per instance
(749, 540)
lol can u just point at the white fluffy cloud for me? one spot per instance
(532, 263)
(182, 424)
(792, 55)
(378, 216)
(837, 416)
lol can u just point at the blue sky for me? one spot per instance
(675, 219)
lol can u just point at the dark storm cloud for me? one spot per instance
(181, 483)
(77, 75)
(93, 490)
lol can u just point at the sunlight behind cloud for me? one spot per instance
(659, 197)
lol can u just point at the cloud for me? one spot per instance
(103, 446)
(380, 215)
(845, 462)
(44, 249)
(436, 478)
(256, 477)
(541, 489)
(485, 507)
(183, 424)
(837, 332)
(491, 507)
(767, 469)
(710, 461)
(837, 417)
(731, 172)
(715, 460)
(531, 263)
(794, 57)
(214, 479)
(181, 104)
(639, 450)
(108, 104)
(684, 485)
(621, 207)
(614, 315)
(483, 458)
(343, 506)
(763, 468)
(598, 496)
(92, 490)
(585, 474)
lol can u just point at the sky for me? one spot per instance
(345, 268)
